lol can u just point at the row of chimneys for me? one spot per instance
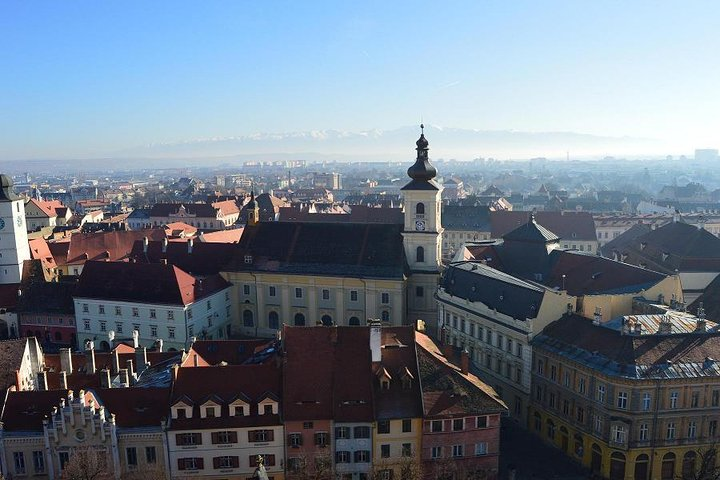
(127, 375)
(146, 244)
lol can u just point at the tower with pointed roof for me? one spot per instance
(422, 234)
(14, 247)
(253, 210)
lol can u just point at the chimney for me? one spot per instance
(115, 361)
(130, 370)
(195, 359)
(190, 246)
(141, 359)
(66, 361)
(376, 341)
(42, 380)
(701, 323)
(146, 242)
(111, 338)
(665, 327)
(464, 362)
(448, 351)
(124, 377)
(136, 339)
(164, 245)
(159, 343)
(90, 353)
(63, 381)
(105, 378)
(597, 316)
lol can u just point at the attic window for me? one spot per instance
(407, 383)
(385, 384)
(248, 259)
(574, 235)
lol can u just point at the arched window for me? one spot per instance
(617, 466)
(248, 318)
(641, 467)
(550, 429)
(420, 255)
(538, 421)
(420, 209)
(688, 466)
(354, 321)
(667, 471)
(299, 320)
(273, 320)
(385, 316)
(326, 320)
(596, 458)
(104, 346)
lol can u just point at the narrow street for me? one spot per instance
(533, 459)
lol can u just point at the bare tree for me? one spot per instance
(319, 468)
(705, 469)
(87, 463)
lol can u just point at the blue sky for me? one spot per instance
(81, 78)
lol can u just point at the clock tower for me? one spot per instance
(422, 235)
(14, 248)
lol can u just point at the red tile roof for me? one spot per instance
(232, 352)
(205, 258)
(11, 357)
(135, 407)
(398, 354)
(24, 411)
(145, 283)
(106, 246)
(49, 208)
(39, 250)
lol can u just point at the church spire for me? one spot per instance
(422, 170)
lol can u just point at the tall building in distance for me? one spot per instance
(14, 248)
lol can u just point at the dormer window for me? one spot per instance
(268, 406)
(385, 384)
(267, 409)
(209, 412)
(238, 410)
(181, 410)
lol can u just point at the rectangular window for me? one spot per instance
(85, 308)
(101, 309)
(383, 426)
(295, 439)
(598, 423)
(618, 434)
(481, 448)
(553, 373)
(566, 407)
(518, 349)
(261, 436)
(19, 460)
(326, 294)
(436, 426)
(272, 291)
(38, 461)
(118, 327)
(673, 399)
(103, 326)
(552, 400)
(385, 298)
(342, 456)
(308, 425)
(118, 311)
(135, 312)
(646, 402)
(385, 451)
(150, 455)
(601, 393)
(458, 425)
(131, 456)
(191, 330)
(581, 386)
(436, 452)
(362, 456)
(406, 425)
(712, 428)
(152, 313)
(716, 398)
(419, 291)
(566, 379)
(695, 399)
(170, 315)
(457, 451)
(171, 332)
(580, 415)
(622, 400)
(321, 439)
(692, 429)
(406, 450)
(362, 432)
(190, 463)
(208, 305)
(540, 367)
(153, 331)
(353, 295)
(246, 289)
(342, 433)
(188, 439)
(499, 341)
(86, 324)
(64, 458)
(670, 433)
(643, 434)
(298, 293)
(481, 422)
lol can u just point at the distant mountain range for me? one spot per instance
(397, 144)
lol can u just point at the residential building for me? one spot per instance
(576, 230)
(461, 424)
(39, 214)
(220, 428)
(632, 398)
(463, 223)
(46, 311)
(205, 216)
(157, 300)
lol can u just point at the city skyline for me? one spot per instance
(86, 80)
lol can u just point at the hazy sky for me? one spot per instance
(91, 77)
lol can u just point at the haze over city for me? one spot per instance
(172, 79)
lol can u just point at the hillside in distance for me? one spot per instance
(397, 145)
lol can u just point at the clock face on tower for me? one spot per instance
(420, 225)
(2, 223)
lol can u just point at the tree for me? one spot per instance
(87, 463)
(705, 469)
(319, 468)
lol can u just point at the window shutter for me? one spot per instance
(270, 435)
(216, 462)
(269, 460)
(200, 463)
(233, 437)
(235, 461)
(251, 436)
(181, 464)
(215, 438)
(197, 438)
(179, 439)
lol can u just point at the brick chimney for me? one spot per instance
(141, 360)
(42, 380)
(115, 361)
(464, 362)
(105, 378)
(90, 353)
(130, 370)
(124, 377)
(63, 380)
